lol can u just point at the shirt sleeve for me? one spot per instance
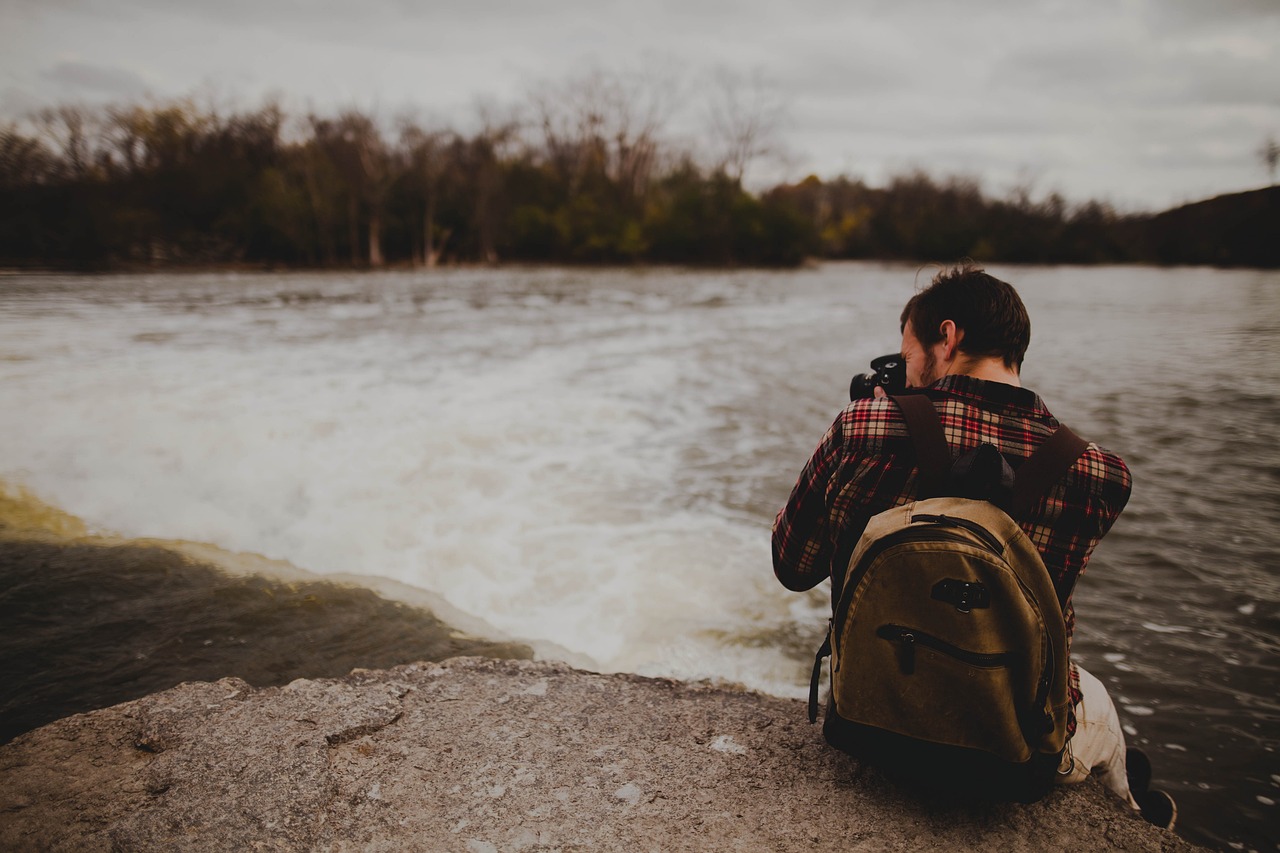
(801, 546)
(1117, 486)
(1071, 519)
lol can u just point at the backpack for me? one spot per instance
(948, 653)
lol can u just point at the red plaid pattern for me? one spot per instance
(866, 463)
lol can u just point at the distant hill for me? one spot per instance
(1235, 230)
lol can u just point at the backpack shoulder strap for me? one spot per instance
(932, 452)
(1046, 466)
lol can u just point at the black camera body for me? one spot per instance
(888, 372)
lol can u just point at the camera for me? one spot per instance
(888, 371)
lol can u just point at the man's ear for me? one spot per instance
(951, 337)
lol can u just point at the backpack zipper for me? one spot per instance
(1035, 721)
(988, 538)
(908, 534)
(908, 638)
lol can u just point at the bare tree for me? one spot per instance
(377, 171)
(481, 158)
(319, 179)
(605, 122)
(354, 146)
(163, 136)
(23, 159)
(68, 129)
(126, 132)
(426, 154)
(1269, 153)
(745, 115)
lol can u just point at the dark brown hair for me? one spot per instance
(990, 312)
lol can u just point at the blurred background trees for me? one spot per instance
(586, 172)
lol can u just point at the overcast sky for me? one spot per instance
(1142, 103)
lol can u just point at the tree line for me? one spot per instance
(586, 175)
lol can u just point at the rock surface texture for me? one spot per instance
(492, 755)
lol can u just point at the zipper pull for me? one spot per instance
(907, 652)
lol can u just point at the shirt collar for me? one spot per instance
(960, 385)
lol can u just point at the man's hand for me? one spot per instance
(878, 392)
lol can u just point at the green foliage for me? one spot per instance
(917, 217)
(176, 185)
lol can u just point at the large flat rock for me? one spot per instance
(492, 755)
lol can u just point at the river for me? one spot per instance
(589, 461)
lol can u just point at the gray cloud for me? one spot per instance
(81, 77)
(1118, 75)
(1182, 15)
(1092, 95)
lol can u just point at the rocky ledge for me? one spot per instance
(486, 755)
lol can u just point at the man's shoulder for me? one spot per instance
(1104, 473)
(868, 422)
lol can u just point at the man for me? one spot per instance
(963, 340)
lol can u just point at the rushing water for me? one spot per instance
(590, 461)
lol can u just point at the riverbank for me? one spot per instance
(487, 755)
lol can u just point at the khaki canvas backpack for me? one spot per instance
(948, 653)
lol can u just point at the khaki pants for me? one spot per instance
(1098, 746)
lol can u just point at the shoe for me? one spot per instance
(1158, 808)
(1138, 768)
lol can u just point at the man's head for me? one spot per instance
(964, 322)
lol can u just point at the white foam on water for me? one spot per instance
(520, 460)
(1166, 629)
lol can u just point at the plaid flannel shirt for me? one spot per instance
(866, 463)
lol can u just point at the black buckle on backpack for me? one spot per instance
(963, 595)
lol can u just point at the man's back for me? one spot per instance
(964, 338)
(866, 463)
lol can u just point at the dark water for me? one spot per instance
(89, 626)
(1195, 602)
(1179, 612)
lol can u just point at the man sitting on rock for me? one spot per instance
(963, 342)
